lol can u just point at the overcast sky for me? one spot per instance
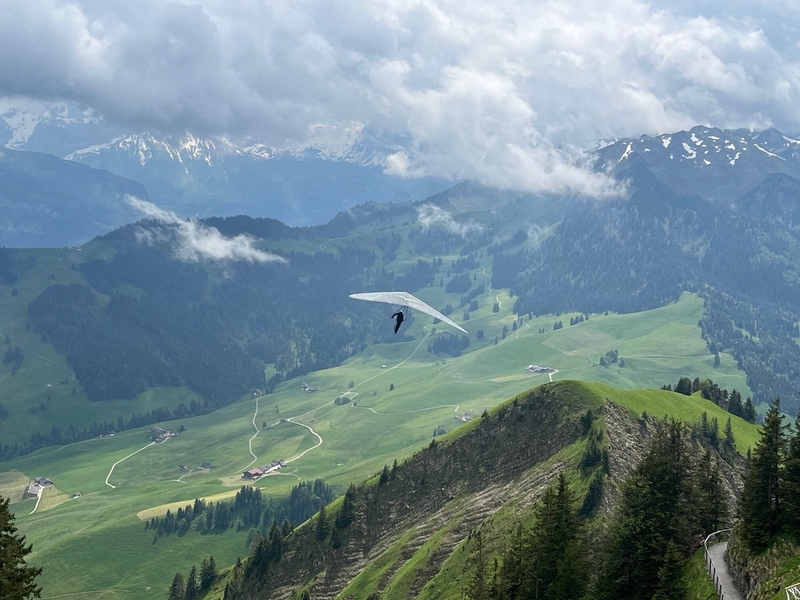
(496, 91)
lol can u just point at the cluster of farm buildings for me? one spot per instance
(34, 490)
(536, 369)
(257, 472)
(159, 434)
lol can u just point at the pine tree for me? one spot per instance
(710, 508)
(670, 575)
(192, 589)
(729, 443)
(656, 506)
(572, 574)
(346, 513)
(749, 411)
(557, 529)
(322, 525)
(208, 573)
(684, 386)
(735, 406)
(17, 580)
(760, 504)
(477, 588)
(177, 589)
(791, 486)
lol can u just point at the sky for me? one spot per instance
(503, 92)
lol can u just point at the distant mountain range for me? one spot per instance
(48, 201)
(714, 164)
(337, 167)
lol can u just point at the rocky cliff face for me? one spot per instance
(764, 576)
(453, 485)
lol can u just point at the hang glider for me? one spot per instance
(406, 299)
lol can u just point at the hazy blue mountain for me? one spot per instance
(337, 167)
(48, 201)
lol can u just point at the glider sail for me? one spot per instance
(406, 299)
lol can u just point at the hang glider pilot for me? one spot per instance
(405, 300)
(398, 316)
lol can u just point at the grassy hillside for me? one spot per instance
(72, 539)
(414, 537)
(40, 395)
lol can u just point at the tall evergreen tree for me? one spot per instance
(208, 573)
(478, 588)
(192, 591)
(17, 580)
(711, 508)
(322, 524)
(656, 506)
(557, 524)
(735, 406)
(670, 575)
(572, 574)
(791, 486)
(177, 590)
(760, 504)
(728, 443)
(684, 386)
(749, 411)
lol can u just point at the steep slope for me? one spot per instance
(403, 534)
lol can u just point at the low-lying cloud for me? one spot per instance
(430, 215)
(192, 241)
(500, 92)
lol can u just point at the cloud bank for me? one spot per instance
(430, 215)
(501, 92)
(194, 242)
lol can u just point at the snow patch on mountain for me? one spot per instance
(22, 124)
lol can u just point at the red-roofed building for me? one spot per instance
(252, 473)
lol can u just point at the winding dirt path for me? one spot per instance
(38, 499)
(126, 458)
(250, 441)
(319, 443)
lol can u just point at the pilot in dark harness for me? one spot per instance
(399, 316)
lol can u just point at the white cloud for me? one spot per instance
(192, 241)
(430, 215)
(494, 91)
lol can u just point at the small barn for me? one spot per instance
(252, 473)
(32, 491)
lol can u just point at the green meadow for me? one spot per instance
(40, 395)
(96, 546)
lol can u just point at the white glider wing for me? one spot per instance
(406, 299)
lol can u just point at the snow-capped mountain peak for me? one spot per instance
(714, 163)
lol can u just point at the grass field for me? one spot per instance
(51, 497)
(79, 542)
(12, 485)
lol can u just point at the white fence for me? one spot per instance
(712, 569)
(793, 592)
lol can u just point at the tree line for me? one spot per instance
(770, 502)
(249, 509)
(731, 402)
